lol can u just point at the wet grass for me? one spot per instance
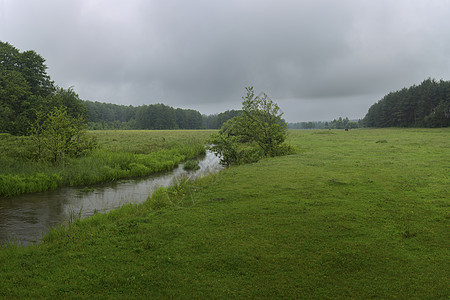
(345, 217)
(191, 165)
(121, 154)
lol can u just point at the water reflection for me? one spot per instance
(27, 217)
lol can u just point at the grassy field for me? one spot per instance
(121, 154)
(359, 214)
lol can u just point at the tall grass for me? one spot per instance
(122, 154)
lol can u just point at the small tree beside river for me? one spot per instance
(58, 135)
(259, 131)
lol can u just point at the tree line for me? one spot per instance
(105, 116)
(28, 96)
(340, 123)
(424, 105)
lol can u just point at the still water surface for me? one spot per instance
(27, 217)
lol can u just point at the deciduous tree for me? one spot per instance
(59, 136)
(257, 132)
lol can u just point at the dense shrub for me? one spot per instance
(258, 132)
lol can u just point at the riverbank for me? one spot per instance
(121, 154)
(28, 216)
(358, 214)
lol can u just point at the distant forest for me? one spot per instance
(340, 123)
(103, 116)
(425, 105)
(27, 95)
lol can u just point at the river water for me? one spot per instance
(27, 217)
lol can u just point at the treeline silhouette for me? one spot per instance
(425, 105)
(340, 123)
(104, 116)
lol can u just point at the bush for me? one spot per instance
(57, 135)
(256, 133)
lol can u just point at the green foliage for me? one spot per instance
(342, 123)
(440, 116)
(425, 105)
(26, 91)
(258, 132)
(58, 135)
(30, 65)
(308, 125)
(15, 102)
(70, 101)
(216, 121)
(106, 116)
(157, 116)
(188, 119)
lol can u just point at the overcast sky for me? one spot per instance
(318, 59)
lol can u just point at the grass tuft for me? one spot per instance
(191, 165)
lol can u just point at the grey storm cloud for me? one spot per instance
(319, 59)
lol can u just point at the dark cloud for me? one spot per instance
(318, 59)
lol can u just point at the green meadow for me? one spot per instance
(121, 154)
(358, 214)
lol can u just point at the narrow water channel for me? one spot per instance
(27, 217)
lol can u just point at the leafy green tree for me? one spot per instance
(15, 101)
(70, 100)
(262, 122)
(58, 136)
(217, 120)
(30, 65)
(26, 90)
(258, 132)
(9, 56)
(33, 68)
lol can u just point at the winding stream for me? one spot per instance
(27, 217)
